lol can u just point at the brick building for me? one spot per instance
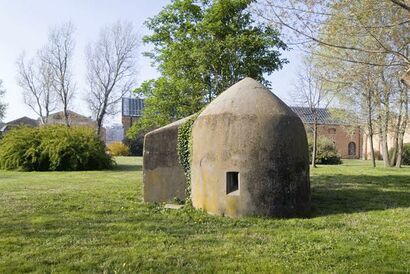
(347, 138)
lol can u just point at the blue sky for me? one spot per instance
(24, 25)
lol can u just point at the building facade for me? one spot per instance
(346, 138)
(377, 144)
(131, 111)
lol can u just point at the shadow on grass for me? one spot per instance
(340, 193)
(127, 167)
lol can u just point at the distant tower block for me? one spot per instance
(250, 155)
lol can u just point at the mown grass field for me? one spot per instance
(97, 222)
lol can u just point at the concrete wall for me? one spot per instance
(163, 176)
(249, 130)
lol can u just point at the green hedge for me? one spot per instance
(184, 150)
(326, 152)
(52, 148)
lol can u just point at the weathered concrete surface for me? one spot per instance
(163, 176)
(249, 130)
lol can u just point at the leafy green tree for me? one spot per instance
(201, 48)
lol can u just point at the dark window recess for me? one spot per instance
(232, 181)
(351, 148)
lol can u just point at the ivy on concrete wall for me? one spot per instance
(184, 150)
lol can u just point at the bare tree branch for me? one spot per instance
(35, 79)
(401, 4)
(111, 69)
(306, 21)
(58, 54)
(2, 105)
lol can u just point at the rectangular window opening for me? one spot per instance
(232, 182)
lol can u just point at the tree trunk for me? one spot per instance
(399, 151)
(403, 127)
(101, 114)
(314, 150)
(99, 125)
(364, 154)
(393, 160)
(66, 117)
(372, 148)
(395, 145)
(47, 115)
(385, 150)
(384, 134)
(370, 126)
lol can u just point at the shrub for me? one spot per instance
(377, 155)
(53, 148)
(406, 154)
(118, 149)
(326, 153)
(135, 145)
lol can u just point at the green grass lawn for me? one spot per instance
(97, 222)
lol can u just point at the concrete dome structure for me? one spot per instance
(250, 155)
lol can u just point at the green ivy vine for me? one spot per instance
(184, 150)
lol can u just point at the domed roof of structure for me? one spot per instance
(246, 97)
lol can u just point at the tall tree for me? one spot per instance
(365, 41)
(111, 69)
(310, 90)
(400, 118)
(201, 48)
(58, 55)
(402, 121)
(35, 77)
(2, 104)
(381, 34)
(357, 88)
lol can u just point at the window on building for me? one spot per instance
(331, 131)
(232, 182)
(132, 107)
(351, 148)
